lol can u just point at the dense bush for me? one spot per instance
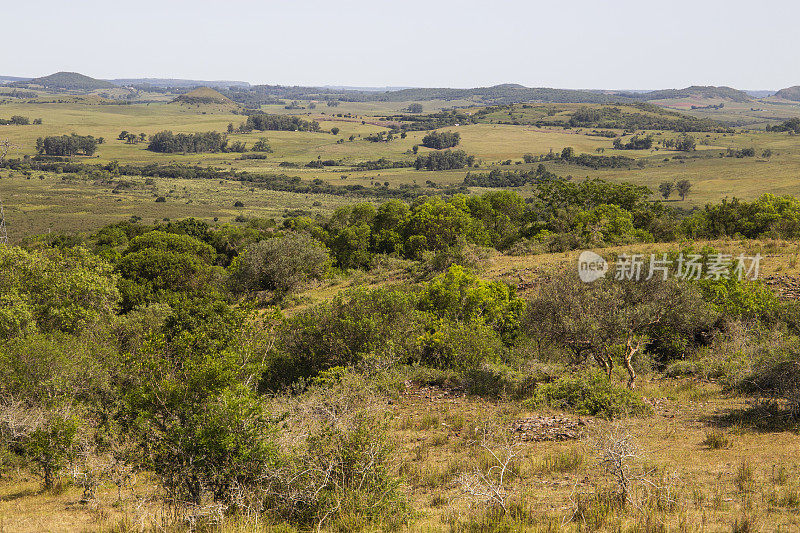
(156, 265)
(768, 216)
(446, 160)
(280, 264)
(776, 376)
(634, 143)
(168, 143)
(67, 145)
(441, 140)
(462, 297)
(264, 122)
(459, 346)
(381, 323)
(54, 290)
(589, 394)
(198, 427)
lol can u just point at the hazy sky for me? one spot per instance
(571, 44)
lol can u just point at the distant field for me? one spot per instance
(71, 204)
(51, 203)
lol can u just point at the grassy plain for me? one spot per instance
(51, 203)
(56, 204)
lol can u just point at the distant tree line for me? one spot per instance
(264, 122)
(268, 181)
(19, 120)
(791, 125)
(445, 160)
(66, 145)
(636, 142)
(502, 179)
(585, 160)
(382, 164)
(167, 142)
(431, 121)
(651, 118)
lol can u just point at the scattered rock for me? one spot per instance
(547, 428)
(785, 286)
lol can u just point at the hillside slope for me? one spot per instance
(790, 93)
(66, 81)
(698, 91)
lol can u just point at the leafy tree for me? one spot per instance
(51, 445)
(157, 265)
(460, 296)
(54, 290)
(666, 188)
(608, 318)
(685, 143)
(683, 187)
(445, 160)
(441, 140)
(262, 145)
(186, 403)
(67, 145)
(279, 264)
(263, 122)
(167, 142)
(335, 131)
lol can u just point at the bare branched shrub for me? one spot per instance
(617, 454)
(338, 472)
(624, 480)
(489, 484)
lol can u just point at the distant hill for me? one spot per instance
(66, 81)
(175, 82)
(11, 79)
(698, 91)
(506, 93)
(790, 93)
(205, 96)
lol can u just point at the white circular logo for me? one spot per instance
(591, 266)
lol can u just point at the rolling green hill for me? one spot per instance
(203, 95)
(790, 93)
(700, 91)
(66, 81)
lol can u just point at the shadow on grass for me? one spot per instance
(21, 494)
(765, 416)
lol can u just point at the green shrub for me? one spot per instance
(741, 299)
(459, 346)
(45, 368)
(589, 394)
(54, 290)
(343, 331)
(52, 445)
(776, 376)
(281, 264)
(717, 440)
(461, 296)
